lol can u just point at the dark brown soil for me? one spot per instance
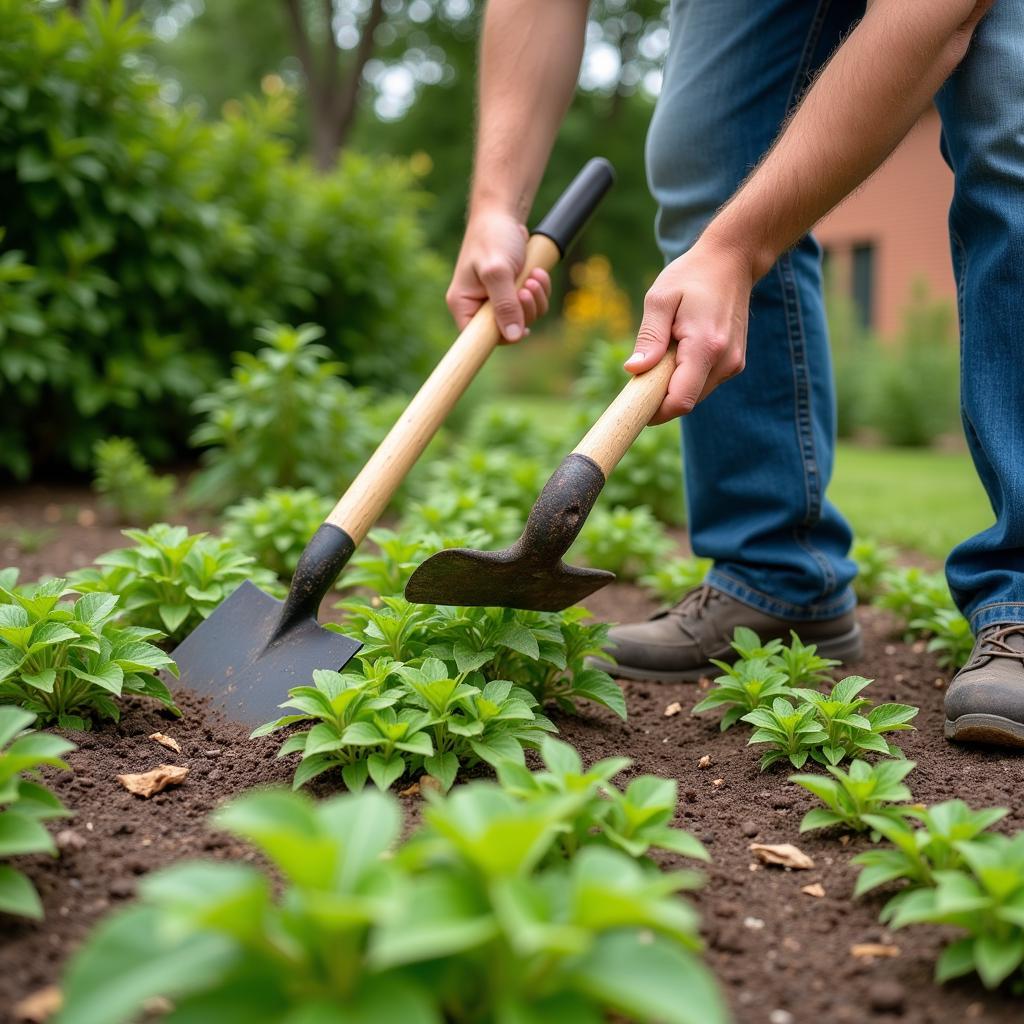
(782, 956)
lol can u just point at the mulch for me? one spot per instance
(782, 956)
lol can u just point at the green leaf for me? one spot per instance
(650, 979)
(997, 958)
(20, 834)
(355, 775)
(385, 771)
(599, 687)
(443, 767)
(516, 636)
(173, 615)
(18, 895)
(956, 960)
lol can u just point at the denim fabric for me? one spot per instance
(758, 452)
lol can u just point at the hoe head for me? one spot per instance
(510, 578)
(253, 647)
(530, 574)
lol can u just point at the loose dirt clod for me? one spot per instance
(815, 889)
(873, 950)
(69, 839)
(673, 709)
(784, 855)
(429, 782)
(166, 741)
(147, 784)
(887, 996)
(39, 1006)
(413, 790)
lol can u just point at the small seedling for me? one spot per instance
(802, 663)
(791, 732)
(747, 685)
(24, 804)
(849, 796)
(873, 561)
(951, 639)
(676, 577)
(127, 485)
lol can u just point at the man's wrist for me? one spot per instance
(505, 202)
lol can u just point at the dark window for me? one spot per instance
(862, 283)
(827, 269)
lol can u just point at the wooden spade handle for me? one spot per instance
(378, 480)
(620, 424)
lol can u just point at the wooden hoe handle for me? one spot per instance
(620, 424)
(372, 489)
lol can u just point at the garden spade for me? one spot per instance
(530, 573)
(254, 647)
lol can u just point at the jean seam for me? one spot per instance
(768, 603)
(813, 35)
(994, 604)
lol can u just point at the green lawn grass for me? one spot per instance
(915, 498)
(919, 499)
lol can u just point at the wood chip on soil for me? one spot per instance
(872, 950)
(39, 1006)
(815, 889)
(166, 741)
(705, 761)
(150, 783)
(783, 855)
(673, 709)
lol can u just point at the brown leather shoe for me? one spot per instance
(678, 644)
(985, 701)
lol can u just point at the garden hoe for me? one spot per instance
(254, 647)
(531, 574)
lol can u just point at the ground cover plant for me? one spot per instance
(68, 659)
(275, 528)
(25, 803)
(474, 918)
(127, 485)
(171, 580)
(629, 542)
(671, 579)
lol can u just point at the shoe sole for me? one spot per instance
(846, 647)
(993, 730)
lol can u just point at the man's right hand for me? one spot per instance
(491, 258)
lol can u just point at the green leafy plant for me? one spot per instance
(127, 484)
(627, 541)
(983, 897)
(748, 684)
(69, 662)
(171, 580)
(277, 421)
(24, 804)
(636, 820)
(848, 796)
(670, 580)
(466, 923)
(790, 732)
(397, 720)
(145, 240)
(275, 529)
(848, 731)
(873, 561)
(465, 511)
(951, 639)
(913, 593)
(802, 663)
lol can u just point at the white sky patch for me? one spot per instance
(601, 66)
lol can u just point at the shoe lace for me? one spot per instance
(692, 607)
(997, 645)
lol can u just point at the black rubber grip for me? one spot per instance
(573, 208)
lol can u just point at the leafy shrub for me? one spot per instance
(636, 820)
(25, 803)
(915, 390)
(627, 541)
(463, 512)
(761, 674)
(951, 639)
(650, 472)
(470, 921)
(984, 898)
(68, 663)
(873, 561)
(284, 418)
(790, 731)
(275, 529)
(128, 485)
(398, 720)
(913, 593)
(543, 652)
(919, 851)
(143, 244)
(855, 359)
(671, 579)
(171, 580)
(876, 789)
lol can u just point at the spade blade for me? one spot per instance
(236, 658)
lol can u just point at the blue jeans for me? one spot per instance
(759, 450)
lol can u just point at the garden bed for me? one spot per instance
(780, 954)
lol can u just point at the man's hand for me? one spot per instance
(491, 258)
(700, 300)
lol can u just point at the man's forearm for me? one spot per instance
(867, 98)
(529, 62)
